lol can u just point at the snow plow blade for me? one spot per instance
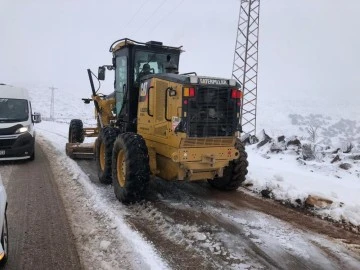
(80, 150)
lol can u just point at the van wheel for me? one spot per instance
(5, 241)
(32, 157)
(130, 167)
(76, 131)
(104, 147)
(235, 173)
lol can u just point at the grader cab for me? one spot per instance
(158, 122)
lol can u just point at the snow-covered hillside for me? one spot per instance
(337, 120)
(67, 104)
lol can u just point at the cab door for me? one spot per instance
(121, 83)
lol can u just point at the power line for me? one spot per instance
(152, 14)
(167, 15)
(133, 17)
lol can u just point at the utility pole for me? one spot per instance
(245, 65)
(52, 103)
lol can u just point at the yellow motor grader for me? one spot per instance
(162, 123)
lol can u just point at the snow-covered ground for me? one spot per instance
(104, 239)
(323, 125)
(107, 241)
(329, 129)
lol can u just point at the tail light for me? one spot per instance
(189, 92)
(236, 93)
(192, 92)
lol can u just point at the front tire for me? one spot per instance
(130, 168)
(104, 147)
(76, 131)
(32, 157)
(234, 174)
(4, 241)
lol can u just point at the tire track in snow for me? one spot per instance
(184, 218)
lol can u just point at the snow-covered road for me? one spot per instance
(188, 225)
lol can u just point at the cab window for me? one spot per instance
(120, 82)
(151, 63)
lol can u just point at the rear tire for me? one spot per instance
(76, 131)
(235, 173)
(104, 147)
(130, 168)
(5, 241)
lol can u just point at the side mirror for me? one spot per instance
(101, 73)
(36, 117)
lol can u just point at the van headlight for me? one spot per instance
(22, 129)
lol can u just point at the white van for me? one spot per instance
(17, 134)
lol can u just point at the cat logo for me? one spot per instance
(143, 89)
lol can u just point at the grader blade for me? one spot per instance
(80, 150)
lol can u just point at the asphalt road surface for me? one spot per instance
(39, 233)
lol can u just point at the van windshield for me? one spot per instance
(13, 110)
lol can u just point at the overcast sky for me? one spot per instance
(307, 47)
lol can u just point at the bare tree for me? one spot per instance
(313, 133)
(349, 147)
(312, 151)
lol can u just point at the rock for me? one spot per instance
(298, 201)
(301, 161)
(337, 158)
(356, 157)
(345, 166)
(263, 136)
(262, 143)
(307, 152)
(248, 184)
(266, 193)
(281, 138)
(266, 139)
(336, 151)
(275, 147)
(295, 142)
(104, 245)
(249, 139)
(317, 202)
(253, 139)
(245, 139)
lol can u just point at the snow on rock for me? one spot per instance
(317, 201)
(104, 245)
(307, 163)
(198, 236)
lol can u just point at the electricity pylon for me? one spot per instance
(245, 65)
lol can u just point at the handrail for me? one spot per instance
(148, 101)
(166, 103)
(140, 43)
